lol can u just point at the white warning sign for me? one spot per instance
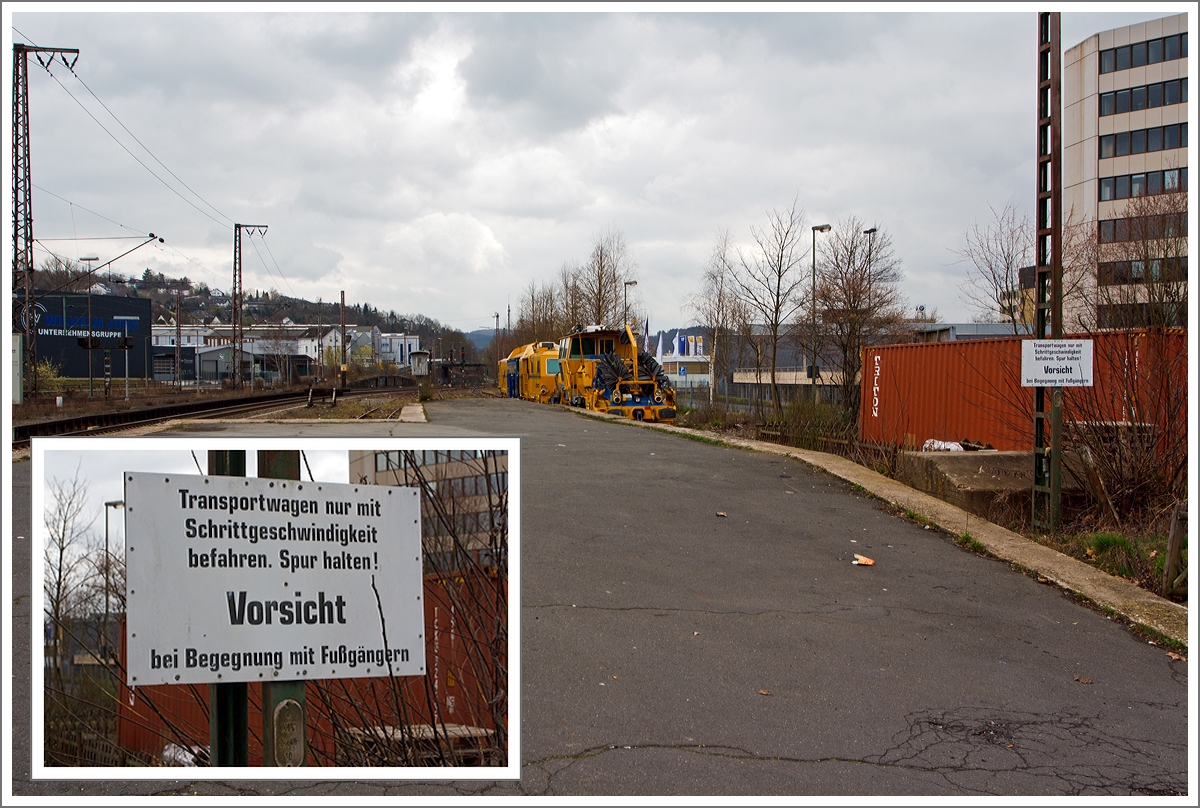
(1056, 363)
(234, 579)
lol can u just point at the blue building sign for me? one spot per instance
(120, 325)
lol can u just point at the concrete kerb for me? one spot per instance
(1126, 599)
(413, 414)
(410, 414)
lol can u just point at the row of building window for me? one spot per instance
(1169, 314)
(1139, 141)
(461, 525)
(396, 461)
(1150, 52)
(1143, 228)
(1148, 96)
(1149, 183)
(479, 485)
(458, 559)
(1123, 273)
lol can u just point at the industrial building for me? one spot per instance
(119, 330)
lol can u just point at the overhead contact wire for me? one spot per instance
(143, 145)
(165, 184)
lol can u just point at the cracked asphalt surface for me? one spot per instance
(669, 650)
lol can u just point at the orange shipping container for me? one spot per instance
(971, 390)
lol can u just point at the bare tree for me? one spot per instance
(996, 253)
(716, 308)
(59, 274)
(1134, 299)
(68, 535)
(538, 314)
(601, 280)
(278, 346)
(570, 299)
(769, 282)
(1137, 265)
(858, 296)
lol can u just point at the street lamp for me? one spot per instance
(870, 234)
(812, 368)
(116, 503)
(627, 285)
(870, 243)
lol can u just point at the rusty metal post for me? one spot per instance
(1047, 415)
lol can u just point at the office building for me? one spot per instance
(1125, 176)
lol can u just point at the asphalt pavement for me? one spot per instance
(692, 624)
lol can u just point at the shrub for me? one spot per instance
(49, 379)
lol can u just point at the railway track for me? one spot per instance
(100, 423)
(392, 414)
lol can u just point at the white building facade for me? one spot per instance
(395, 349)
(189, 335)
(314, 342)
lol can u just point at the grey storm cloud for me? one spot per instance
(436, 163)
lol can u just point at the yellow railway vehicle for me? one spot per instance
(595, 368)
(530, 372)
(508, 372)
(602, 369)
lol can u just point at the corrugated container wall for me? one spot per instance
(955, 391)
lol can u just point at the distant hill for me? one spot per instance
(481, 338)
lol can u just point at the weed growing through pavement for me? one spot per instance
(970, 543)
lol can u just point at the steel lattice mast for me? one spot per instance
(22, 188)
(239, 329)
(1047, 415)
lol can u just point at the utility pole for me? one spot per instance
(343, 328)
(239, 329)
(496, 338)
(320, 344)
(22, 189)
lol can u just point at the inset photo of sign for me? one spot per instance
(264, 604)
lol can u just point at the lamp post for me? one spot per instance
(812, 368)
(870, 234)
(627, 285)
(88, 261)
(116, 503)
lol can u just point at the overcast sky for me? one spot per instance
(437, 163)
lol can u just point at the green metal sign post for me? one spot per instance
(283, 703)
(228, 702)
(284, 707)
